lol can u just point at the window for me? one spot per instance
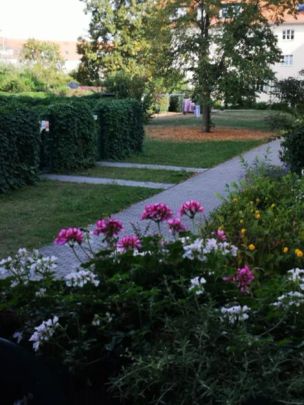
(229, 10)
(287, 60)
(288, 34)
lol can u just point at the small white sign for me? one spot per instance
(44, 126)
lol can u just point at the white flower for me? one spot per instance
(291, 298)
(96, 320)
(197, 285)
(18, 336)
(80, 278)
(44, 332)
(296, 274)
(200, 248)
(236, 313)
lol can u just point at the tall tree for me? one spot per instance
(44, 53)
(126, 36)
(227, 46)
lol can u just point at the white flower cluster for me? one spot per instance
(44, 332)
(200, 248)
(197, 285)
(297, 275)
(236, 313)
(26, 265)
(80, 278)
(288, 299)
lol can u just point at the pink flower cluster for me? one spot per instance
(191, 208)
(158, 212)
(220, 235)
(69, 235)
(242, 278)
(110, 227)
(176, 226)
(130, 242)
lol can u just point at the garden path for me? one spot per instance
(205, 187)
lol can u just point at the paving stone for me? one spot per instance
(150, 166)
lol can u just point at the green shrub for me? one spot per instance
(293, 149)
(121, 130)
(19, 146)
(71, 142)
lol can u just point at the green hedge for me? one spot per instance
(19, 147)
(71, 142)
(121, 130)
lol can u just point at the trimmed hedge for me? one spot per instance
(71, 142)
(293, 152)
(19, 147)
(121, 129)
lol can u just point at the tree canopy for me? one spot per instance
(225, 49)
(44, 53)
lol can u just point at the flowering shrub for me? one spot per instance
(200, 319)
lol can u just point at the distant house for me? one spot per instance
(10, 51)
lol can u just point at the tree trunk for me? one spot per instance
(206, 115)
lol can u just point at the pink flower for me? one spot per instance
(157, 212)
(69, 235)
(175, 225)
(242, 278)
(130, 242)
(220, 234)
(191, 208)
(109, 227)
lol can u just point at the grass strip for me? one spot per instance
(191, 154)
(158, 176)
(31, 217)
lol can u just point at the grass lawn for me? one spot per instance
(192, 154)
(251, 119)
(176, 139)
(159, 176)
(32, 216)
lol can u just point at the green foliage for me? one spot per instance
(124, 85)
(291, 92)
(121, 128)
(293, 147)
(175, 103)
(32, 78)
(71, 142)
(43, 53)
(19, 147)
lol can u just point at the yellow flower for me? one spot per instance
(251, 247)
(272, 205)
(241, 221)
(299, 253)
(235, 200)
(243, 231)
(257, 215)
(285, 249)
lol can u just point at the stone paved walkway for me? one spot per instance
(151, 167)
(101, 180)
(203, 187)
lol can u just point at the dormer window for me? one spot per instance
(288, 34)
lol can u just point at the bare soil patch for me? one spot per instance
(186, 134)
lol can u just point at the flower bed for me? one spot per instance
(200, 319)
